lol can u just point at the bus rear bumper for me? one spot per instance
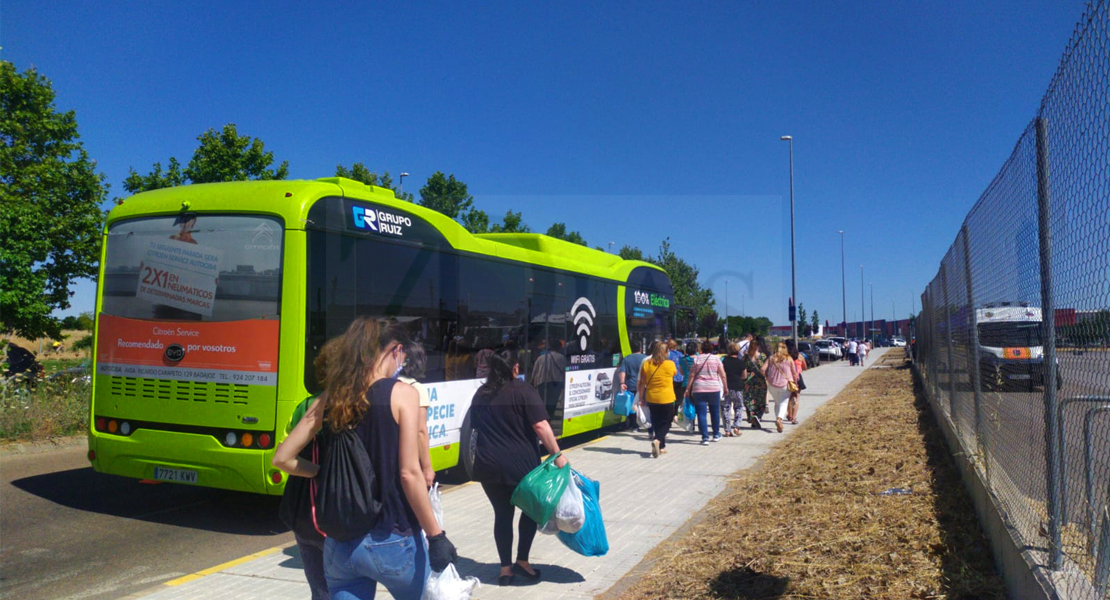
(183, 458)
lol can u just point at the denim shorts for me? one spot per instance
(397, 561)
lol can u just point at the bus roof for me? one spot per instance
(292, 199)
(1007, 313)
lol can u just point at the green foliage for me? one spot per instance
(815, 323)
(631, 253)
(802, 317)
(85, 343)
(359, 172)
(221, 156)
(446, 195)
(512, 223)
(738, 326)
(687, 290)
(50, 195)
(1094, 329)
(86, 321)
(227, 156)
(156, 179)
(559, 230)
(476, 221)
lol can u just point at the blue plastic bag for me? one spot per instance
(591, 539)
(689, 411)
(623, 404)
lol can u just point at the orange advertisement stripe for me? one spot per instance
(250, 345)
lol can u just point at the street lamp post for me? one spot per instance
(726, 309)
(862, 304)
(401, 185)
(871, 327)
(793, 280)
(843, 287)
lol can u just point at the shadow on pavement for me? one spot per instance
(614, 451)
(487, 573)
(186, 506)
(743, 583)
(963, 551)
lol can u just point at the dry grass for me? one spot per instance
(70, 337)
(808, 521)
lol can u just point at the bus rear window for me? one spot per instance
(194, 267)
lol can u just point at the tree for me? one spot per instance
(156, 179)
(221, 156)
(50, 195)
(631, 253)
(446, 195)
(359, 172)
(228, 156)
(559, 230)
(476, 221)
(802, 320)
(86, 321)
(512, 223)
(815, 322)
(684, 278)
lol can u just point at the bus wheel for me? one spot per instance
(468, 447)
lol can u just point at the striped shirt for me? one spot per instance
(705, 374)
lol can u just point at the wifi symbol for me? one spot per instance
(584, 314)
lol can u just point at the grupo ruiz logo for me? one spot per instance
(583, 315)
(380, 221)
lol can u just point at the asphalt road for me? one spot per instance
(1014, 431)
(69, 532)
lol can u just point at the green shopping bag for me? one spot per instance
(539, 492)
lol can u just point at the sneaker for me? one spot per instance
(705, 442)
(716, 438)
(655, 448)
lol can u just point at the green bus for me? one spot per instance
(214, 299)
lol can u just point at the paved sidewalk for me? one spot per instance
(643, 501)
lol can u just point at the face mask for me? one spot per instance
(400, 366)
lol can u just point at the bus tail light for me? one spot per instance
(247, 439)
(264, 440)
(101, 424)
(113, 426)
(275, 477)
(231, 439)
(92, 455)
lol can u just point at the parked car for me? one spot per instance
(603, 387)
(898, 342)
(828, 350)
(813, 357)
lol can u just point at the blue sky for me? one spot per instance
(630, 123)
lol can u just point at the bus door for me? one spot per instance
(547, 339)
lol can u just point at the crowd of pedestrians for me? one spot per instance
(371, 391)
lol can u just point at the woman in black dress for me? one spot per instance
(508, 416)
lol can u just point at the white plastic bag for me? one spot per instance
(550, 528)
(643, 415)
(449, 586)
(570, 514)
(437, 503)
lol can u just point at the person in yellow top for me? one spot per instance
(657, 390)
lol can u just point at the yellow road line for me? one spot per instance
(226, 565)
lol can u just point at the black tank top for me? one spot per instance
(380, 434)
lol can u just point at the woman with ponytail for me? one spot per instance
(508, 416)
(363, 395)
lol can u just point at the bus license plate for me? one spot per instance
(175, 475)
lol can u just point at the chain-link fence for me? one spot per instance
(1013, 340)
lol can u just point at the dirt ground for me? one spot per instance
(67, 352)
(863, 501)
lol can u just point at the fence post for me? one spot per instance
(973, 354)
(1053, 452)
(948, 341)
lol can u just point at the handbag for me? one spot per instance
(791, 386)
(801, 382)
(346, 492)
